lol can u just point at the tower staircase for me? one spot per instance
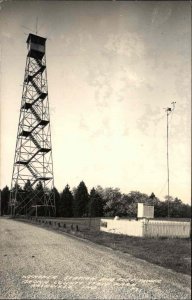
(35, 114)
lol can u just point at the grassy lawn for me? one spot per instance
(170, 253)
(174, 254)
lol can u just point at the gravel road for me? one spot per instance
(40, 263)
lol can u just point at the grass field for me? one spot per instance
(174, 254)
(170, 253)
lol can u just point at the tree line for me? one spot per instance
(105, 202)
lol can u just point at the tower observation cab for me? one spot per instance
(36, 46)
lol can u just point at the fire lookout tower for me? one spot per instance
(32, 179)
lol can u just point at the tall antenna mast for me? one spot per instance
(36, 25)
(168, 111)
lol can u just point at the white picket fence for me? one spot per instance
(154, 228)
(147, 228)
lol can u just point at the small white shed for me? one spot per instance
(145, 211)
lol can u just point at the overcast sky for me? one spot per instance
(112, 68)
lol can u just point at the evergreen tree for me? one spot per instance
(39, 191)
(75, 208)
(39, 199)
(95, 204)
(81, 200)
(27, 195)
(66, 203)
(28, 186)
(17, 198)
(57, 200)
(5, 193)
(17, 188)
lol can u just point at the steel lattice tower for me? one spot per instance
(32, 179)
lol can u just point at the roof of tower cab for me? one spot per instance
(36, 39)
